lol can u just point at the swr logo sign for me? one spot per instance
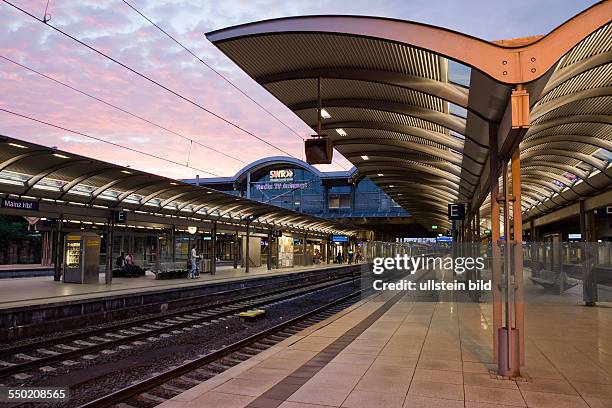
(281, 174)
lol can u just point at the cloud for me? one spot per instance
(116, 29)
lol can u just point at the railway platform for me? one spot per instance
(393, 352)
(43, 290)
(33, 306)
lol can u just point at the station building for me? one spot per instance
(346, 196)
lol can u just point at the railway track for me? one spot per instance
(161, 387)
(22, 362)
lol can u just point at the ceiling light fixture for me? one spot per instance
(341, 132)
(325, 114)
(17, 145)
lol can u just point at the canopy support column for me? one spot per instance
(269, 257)
(495, 239)
(59, 249)
(247, 258)
(304, 262)
(110, 236)
(589, 283)
(509, 349)
(519, 307)
(213, 255)
(236, 248)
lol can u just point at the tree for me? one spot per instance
(12, 230)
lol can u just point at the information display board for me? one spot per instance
(285, 252)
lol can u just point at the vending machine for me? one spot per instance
(81, 257)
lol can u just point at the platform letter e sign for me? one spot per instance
(456, 211)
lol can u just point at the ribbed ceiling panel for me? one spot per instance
(598, 42)
(599, 105)
(345, 114)
(594, 78)
(271, 54)
(587, 129)
(305, 90)
(383, 134)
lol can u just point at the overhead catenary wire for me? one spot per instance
(119, 108)
(226, 79)
(153, 81)
(194, 55)
(99, 139)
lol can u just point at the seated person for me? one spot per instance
(120, 262)
(130, 266)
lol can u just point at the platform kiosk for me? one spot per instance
(81, 257)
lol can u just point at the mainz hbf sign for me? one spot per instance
(18, 204)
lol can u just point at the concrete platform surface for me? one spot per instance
(422, 355)
(21, 292)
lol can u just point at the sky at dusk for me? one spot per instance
(111, 26)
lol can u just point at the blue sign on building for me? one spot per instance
(293, 184)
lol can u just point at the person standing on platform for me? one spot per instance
(194, 260)
(358, 255)
(350, 256)
(339, 257)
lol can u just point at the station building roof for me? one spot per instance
(32, 171)
(412, 106)
(262, 166)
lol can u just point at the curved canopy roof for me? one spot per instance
(567, 151)
(412, 106)
(40, 172)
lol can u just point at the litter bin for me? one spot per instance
(205, 265)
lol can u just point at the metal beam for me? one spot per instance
(514, 64)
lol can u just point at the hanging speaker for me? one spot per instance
(319, 150)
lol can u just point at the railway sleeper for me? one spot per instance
(177, 390)
(205, 373)
(189, 380)
(217, 367)
(276, 337)
(179, 382)
(151, 397)
(259, 346)
(240, 356)
(231, 360)
(250, 350)
(123, 405)
(267, 342)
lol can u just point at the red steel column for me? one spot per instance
(495, 250)
(519, 307)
